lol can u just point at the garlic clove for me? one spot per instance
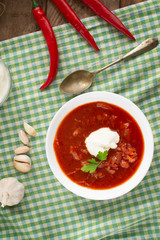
(21, 150)
(23, 137)
(22, 163)
(29, 129)
(11, 191)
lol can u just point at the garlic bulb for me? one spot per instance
(11, 191)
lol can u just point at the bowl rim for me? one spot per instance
(10, 85)
(128, 106)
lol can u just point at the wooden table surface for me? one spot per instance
(17, 18)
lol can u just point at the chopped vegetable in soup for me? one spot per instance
(73, 156)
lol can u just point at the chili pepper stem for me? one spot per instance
(34, 4)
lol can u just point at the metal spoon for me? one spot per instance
(80, 80)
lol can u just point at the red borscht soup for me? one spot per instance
(72, 154)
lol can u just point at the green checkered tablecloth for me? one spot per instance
(48, 210)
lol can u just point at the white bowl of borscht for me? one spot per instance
(112, 172)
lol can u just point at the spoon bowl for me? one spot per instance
(81, 80)
(77, 82)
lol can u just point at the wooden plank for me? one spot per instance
(17, 18)
(79, 7)
(124, 3)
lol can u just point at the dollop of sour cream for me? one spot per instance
(5, 82)
(101, 140)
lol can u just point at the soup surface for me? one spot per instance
(72, 154)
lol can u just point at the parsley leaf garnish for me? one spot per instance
(102, 155)
(93, 164)
(90, 167)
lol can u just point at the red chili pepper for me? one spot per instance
(70, 15)
(49, 36)
(103, 12)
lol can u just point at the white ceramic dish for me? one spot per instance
(136, 113)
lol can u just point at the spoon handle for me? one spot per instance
(145, 46)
